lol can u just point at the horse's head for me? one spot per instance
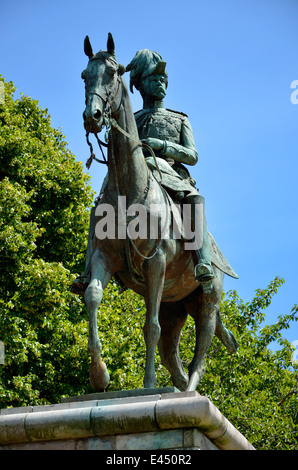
(102, 83)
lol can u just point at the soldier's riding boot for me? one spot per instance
(203, 270)
(80, 284)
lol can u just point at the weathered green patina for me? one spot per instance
(161, 270)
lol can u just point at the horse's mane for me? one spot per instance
(106, 56)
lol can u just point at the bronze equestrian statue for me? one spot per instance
(146, 153)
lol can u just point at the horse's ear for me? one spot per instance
(88, 48)
(111, 44)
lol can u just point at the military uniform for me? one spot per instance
(174, 129)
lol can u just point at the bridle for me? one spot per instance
(109, 122)
(108, 101)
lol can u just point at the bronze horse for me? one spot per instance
(160, 270)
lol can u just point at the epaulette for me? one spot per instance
(148, 110)
(177, 112)
(141, 111)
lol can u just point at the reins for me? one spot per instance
(92, 154)
(110, 122)
(139, 142)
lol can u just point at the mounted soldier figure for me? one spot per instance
(170, 135)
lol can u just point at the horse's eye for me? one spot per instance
(111, 72)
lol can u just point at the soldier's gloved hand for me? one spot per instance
(155, 144)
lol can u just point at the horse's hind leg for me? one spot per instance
(172, 317)
(100, 276)
(205, 322)
(154, 277)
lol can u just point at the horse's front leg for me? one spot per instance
(154, 276)
(100, 275)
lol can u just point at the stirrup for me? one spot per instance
(204, 272)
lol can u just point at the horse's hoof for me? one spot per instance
(194, 380)
(182, 384)
(233, 344)
(149, 383)
(99, 375)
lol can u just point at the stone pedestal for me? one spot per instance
(144, 419)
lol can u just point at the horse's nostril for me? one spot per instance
(84, 115)
(97, 115)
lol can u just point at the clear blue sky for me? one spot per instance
(231, 64)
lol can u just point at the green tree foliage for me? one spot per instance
(44, 215)
(44, 200)
(256, 388)
(36, 164)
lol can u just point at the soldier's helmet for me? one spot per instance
(145, 63)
